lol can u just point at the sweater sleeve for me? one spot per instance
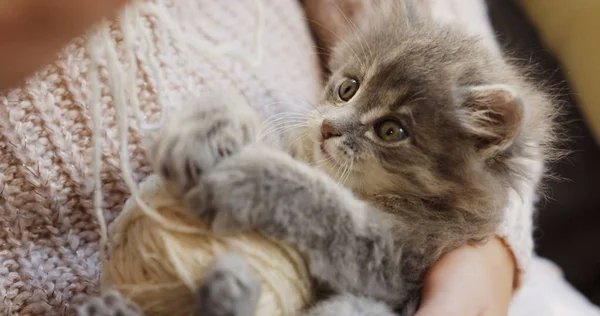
(516, 229)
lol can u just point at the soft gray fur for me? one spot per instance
(228, 288)
(369, 215)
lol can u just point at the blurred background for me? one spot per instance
(568, 224)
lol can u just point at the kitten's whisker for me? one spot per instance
(341, 176)
(295, 98)
(278, 118)
(349, 172)
(306, 114)
(321, 50)
(335, 164)
(358, 32)
(346, 170)
(284, 115)
(284, 123)
(302, 132)
(285, 120)
(323, 162)
(282, 126)
(303, 100)
(287, 113)
(326, 159)
(338, 169)
(301, 136)
(279, 130)
(270, 128)
(340, 38)
(290, 104)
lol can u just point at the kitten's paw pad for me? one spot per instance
(183, 158)
(199, 136)
(229, 288)
(110, 304)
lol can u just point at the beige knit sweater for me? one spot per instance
(48, 234)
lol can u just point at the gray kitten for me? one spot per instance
(419, 137)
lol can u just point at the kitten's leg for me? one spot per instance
(193, 140)
(349, 305)
(228, 288)
(110, 304)
(348, 244)
(199, 135)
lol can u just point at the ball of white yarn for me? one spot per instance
(157, 267)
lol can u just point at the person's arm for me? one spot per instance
(33, 31)
(516, 231)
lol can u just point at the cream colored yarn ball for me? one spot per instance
(156, 266)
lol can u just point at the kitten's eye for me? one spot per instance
(348, 89)
(390, 131)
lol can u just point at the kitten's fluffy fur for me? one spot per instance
(476, 130)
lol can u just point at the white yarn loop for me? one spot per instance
(122, 88)
(94, 51)
(128, 26)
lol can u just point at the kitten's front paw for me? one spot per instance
(110, 304)
(224, 196)
(197, 137)
(229, 288)
(244, 191)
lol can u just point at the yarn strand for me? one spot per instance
(99, 45)
(93, 50)
(128, 25)
(118, 93)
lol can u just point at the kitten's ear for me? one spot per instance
(493, 114)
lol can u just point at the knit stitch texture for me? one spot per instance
(48, 234)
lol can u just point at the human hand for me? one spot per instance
(470, 281)
(32, 31)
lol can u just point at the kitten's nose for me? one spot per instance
(328, 130)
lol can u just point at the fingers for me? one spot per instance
(32, 31)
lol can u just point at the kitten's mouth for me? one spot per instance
(323, 149)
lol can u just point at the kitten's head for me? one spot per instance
(419, 111)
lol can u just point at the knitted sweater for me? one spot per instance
(48, 233)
